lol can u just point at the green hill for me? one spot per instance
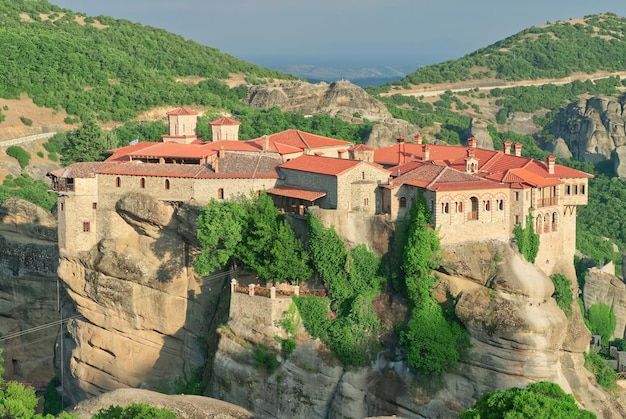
(554, 50)
(114, 68)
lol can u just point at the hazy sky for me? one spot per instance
(347, 33)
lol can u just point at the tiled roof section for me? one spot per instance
(179, 170)
(182, 111)
(173, 150)
(323, 165)
(298, 193)
(361, 147)
(440, 178)
(275, 147)
(81, 170)
(492, 165)
(224, 121)
(304, 140)
(121, 153)
(254, 164)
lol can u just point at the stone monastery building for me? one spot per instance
(474, 193)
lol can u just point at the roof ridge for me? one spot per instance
(491, 160)
(302, 138)
(432, 182)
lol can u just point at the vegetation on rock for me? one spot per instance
(538, 400)
(527, 239)
(602, 321)
(605, 376)
(134, 411)
(434, 338)
(563, 293)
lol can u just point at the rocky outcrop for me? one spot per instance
(143, 314)
(340, 99)
(183, 406)
(591, 128)
(606, 288)
(518, 333)
(478, 130)
(28, 290)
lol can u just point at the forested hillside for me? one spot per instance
(554, 50)
(113, 68)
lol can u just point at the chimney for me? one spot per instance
(471, 153)
(221, 153)
(266, 143)
(418, 138)
(551, 160)
(401, 149)
(518, 149)
(507, 147)
(425, 152)
(471, 142)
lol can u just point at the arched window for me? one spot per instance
(487, 205)
(538, 227)
(118, 182)
(445, 207)
(142, 183)
(555, 221)
(402, 202)
(500, 204)
(546, 223)
(474, 212)
(167, 183)
(459, 206)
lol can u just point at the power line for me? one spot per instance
(38, 328)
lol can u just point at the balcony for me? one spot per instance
(547, 202)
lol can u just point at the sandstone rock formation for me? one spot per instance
(606, 288)
(592, 128)
(478, 129)
(340, 99)
(145, 315)
(28, 290)
(519, 336)
(183, 406)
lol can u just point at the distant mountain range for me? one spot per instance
(363, 77)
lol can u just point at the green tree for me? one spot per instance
(538, 400)
(602, 321)
(527, 239)
(220, 232)
(87, 143)
(134, 411)
(434, 339)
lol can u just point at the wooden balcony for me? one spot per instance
(547, 202)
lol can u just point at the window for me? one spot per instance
(575, 189)
(517, 219)
(500, 204)
(555, 221)
(62, 205)
(582, 189)
(366, 202)
(445, 207)
(220, 193)
(568, 190)
(459, 206)
(86, 227)
(402, 202)
(539, 227)
(474, 213)
(487, 205)
(94, 205)
(142, 183)
(118, 182)
(362, 175)
(517, 196)
(167, 183)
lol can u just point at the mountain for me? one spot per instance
(363, 77)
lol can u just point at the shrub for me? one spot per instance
(527, 239)
(26, 121)
(134, 411)
(602, 321)
(563, 293)
(605, 376)
(22, 156)
(40, 154)
(264, 358)
(53, 402)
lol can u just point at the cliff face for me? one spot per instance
(144, 314)
(518, 333)
(592, 130)
(28, 290)
(602, 286)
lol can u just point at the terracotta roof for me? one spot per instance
(81, 170)
(224, 121)
(361, 147)
(323, 165)
(254, 164)
(182, 111)
(121, 153)
(440, 178)
(180, 170)
(175, 150)
(304, 140)
(298, 193)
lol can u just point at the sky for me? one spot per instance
(345, 33)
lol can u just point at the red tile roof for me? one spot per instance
(323, 165)
(298, 193)
(224, 121)
(182, 111)
(304, 140)
(361, 147)
(173, 150)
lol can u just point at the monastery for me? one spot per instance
(474, 194)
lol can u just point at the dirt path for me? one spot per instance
(429, 90)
